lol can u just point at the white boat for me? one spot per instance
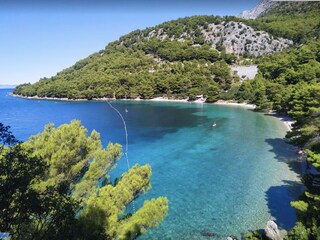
(214, 124)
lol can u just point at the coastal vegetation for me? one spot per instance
(130, 73)
(289, 82)
(56, 186)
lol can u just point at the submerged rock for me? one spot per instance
(207, 233)
(231, 237)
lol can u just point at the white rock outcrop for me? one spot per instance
(235, 37)
(245, 72)
(262, 7)
(238, 38)
(272, 231)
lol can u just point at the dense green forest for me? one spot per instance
(56, 186)
(129, 73)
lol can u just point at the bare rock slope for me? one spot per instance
(262, 7)
(236, 37)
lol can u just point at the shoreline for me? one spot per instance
(156, 99)
(286, 120)
(227, 103)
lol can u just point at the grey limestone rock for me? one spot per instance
(235, 37)
(272, 231)
(262, 7)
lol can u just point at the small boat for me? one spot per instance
(126, 110)
(214, 124)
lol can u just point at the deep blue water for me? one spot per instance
(223, 180)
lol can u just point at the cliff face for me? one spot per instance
(261, 8)
(238, 38)
(235, 37)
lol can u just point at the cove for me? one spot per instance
(219, 181)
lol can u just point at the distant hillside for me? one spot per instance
(229, 33)
(179, 59)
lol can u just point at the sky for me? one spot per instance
(40, 38)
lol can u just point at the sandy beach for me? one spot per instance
(286, 120)
(50, 98)
(226, 103)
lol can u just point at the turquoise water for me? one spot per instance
(219, 181)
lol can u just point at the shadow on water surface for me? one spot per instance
(279, 197)
(152, 121)
(286, 153)
(279, 116)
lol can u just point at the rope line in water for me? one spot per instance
(126, 147)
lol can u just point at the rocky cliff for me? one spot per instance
(235, 37)
(261, 8)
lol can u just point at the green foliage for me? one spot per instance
(288, 83)
(49, 188)
(152, 212)
(193, 93)
(189, 25)
(294, 21)
(66, 151)
(178, 51)
(129, 73)
(253, 235)
(212, 93)
(313, 157)
(244, 92)
(300, 205)
(299, 232)
(305, 101)
(25, 212)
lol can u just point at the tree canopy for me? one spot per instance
(56, 186)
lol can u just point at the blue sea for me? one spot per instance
(220, 181)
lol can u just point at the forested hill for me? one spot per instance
(173, 59)
(181, 58)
